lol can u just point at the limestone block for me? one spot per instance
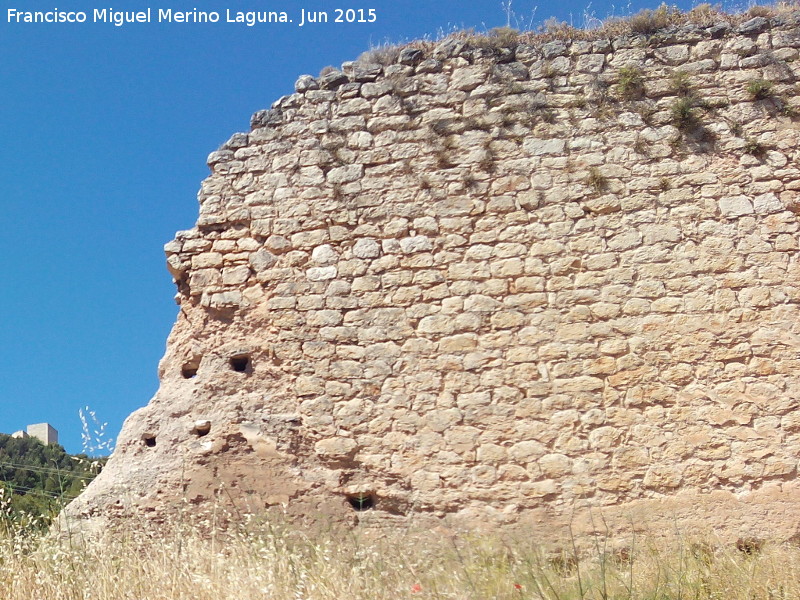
(324, 318)
(442, 419)
(540, 489)
(629, 458)
(345, 174)
(262, 260)
(458, 343)
(348, 124)
(603, 205)
(666, 305)
(311, 175)
(207, 260)
(337, 448)
(480, 303)
(461, 438)
(507, 319)
(278, 244)
(437, 325)
(555, 465)
(753, 26)
(674, 55)
(309, 386)
(590, 63)
(229, 299)
(204, 278)
(700, 66)
(468, 78)
(735, 206)
(324, 255)
(767, 204)
(354, 106)
(302, 239)
(582, 383)
(321, 273)
(527, 451)
(539, 147)
(418, 243)
(601, 366)
(662, 476)
(604, 438)
(660, 233)
(625, 240)
(235, 275)
(491, 453)
(366, 283)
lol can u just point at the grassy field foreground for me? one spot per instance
(266, 562)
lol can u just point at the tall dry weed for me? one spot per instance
(278, 562)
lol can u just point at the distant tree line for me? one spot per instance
(38, 480)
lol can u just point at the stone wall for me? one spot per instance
(500, 284)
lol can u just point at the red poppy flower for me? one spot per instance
(517, 586)
(416, 588)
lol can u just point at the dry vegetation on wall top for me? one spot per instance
(648, 22)
(499, 280)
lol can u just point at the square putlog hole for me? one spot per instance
(240, 363)
(359, 502)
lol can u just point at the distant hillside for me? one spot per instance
(40, 479)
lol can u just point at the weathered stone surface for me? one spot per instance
(735, 206)
(410, 56)
(753, 26)
(332, 79)
(554, 48)
(305, 83)
(546, 146)
(366, 72)
(470, 288)
(767, 203)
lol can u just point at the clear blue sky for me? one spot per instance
(105, 131)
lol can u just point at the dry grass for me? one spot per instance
(271, 562)
(386, 54)
(648, 22)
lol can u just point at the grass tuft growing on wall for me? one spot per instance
(759, 89)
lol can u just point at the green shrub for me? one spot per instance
(578, 102)
(596, 179)
(787, 110)
(759, 89)
(680, 82)
(683, 114)
(640, 146)
(755, 148)
(631, 83)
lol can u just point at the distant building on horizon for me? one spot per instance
(44, 432)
